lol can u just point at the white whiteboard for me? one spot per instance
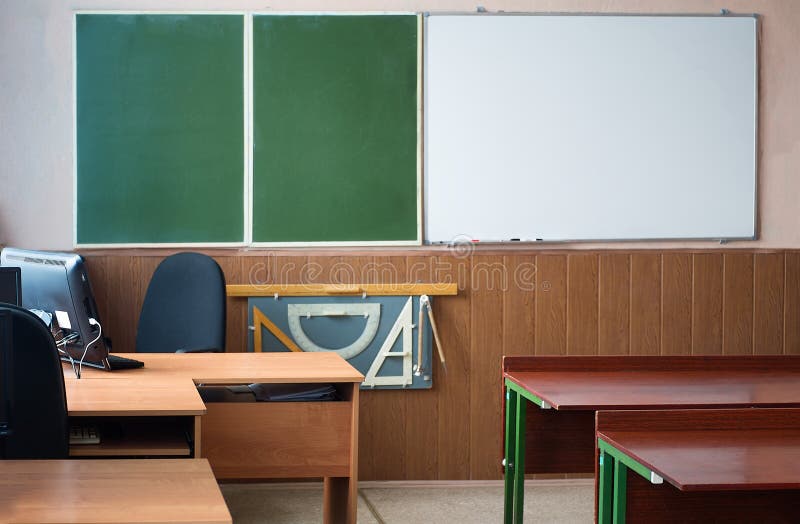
(590, 127)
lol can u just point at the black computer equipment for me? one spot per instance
(10, 286)
(5, 377)
(58, 283)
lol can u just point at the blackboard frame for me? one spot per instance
(248, 138)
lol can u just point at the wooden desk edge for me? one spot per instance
(565, 363)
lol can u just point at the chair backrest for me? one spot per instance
(38, 402)
(184, 308)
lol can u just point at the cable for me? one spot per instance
(63, 342)
(92, 322)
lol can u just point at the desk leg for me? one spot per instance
(510, 463)
(620, 491)
(340, 496)
(606, 485)
(340, 500)
(519, 466)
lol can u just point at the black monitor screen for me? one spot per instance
(10, 286)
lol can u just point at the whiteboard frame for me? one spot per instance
(247, 242)
(757, 103)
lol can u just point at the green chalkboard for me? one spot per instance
(335, 128)
(160, 128)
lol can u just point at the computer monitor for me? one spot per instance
(59, 284)
(10, 286)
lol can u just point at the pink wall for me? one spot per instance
(36, 97)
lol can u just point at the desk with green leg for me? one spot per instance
(720, 465)
(557, 433)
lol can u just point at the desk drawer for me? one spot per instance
(277, 439)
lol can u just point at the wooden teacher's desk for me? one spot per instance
(119, 491)
(732, 465)
(558, 436)
(161, 414)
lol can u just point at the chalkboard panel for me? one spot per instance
(335, 128)
(160, 128)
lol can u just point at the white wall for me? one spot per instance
(36, 93)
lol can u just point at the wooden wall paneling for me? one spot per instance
(123, 293)
(645, 325)
(519, 305)
(768, 303)
(319, 269)
(582, 304)
(486, 347)
(97, 267)
(681, 301)
(791, 301)
(147, 266)
(614, 303)
(707, 298)
(236, 308)
(382, 437)
(737, 313)
(453, 318)
(676, 303)
(422, 407)
(382, 433)
(551, 305)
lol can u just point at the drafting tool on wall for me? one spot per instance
(376, 334)
(425, 302)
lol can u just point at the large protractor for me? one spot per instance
(372, 312)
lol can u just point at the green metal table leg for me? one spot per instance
(620, 491)
(510, 465)
(606, 490)
(519, 464)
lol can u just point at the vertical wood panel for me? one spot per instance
(97, 268)
(582, 289)
(454, 320)
(382, 435)
(676, 304)
(551, 305)
(614, 302)
(707, 304)
(645, 304)
(737, 314)
(791, 312)
(486, 350)
(122, 288)
(519, 301)
(422, 406)
(768, 304)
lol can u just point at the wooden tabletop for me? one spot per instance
(166, 385)
(582, 390)
(99, 491)
(142, 396)
(702, 450)
(232, 368)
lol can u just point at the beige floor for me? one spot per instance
(557, 501)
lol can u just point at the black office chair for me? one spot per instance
(184, 308)
(37, 404)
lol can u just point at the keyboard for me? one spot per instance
(115, 362)
(83, 435)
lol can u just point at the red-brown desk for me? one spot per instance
(731, 465)
(559, 436)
